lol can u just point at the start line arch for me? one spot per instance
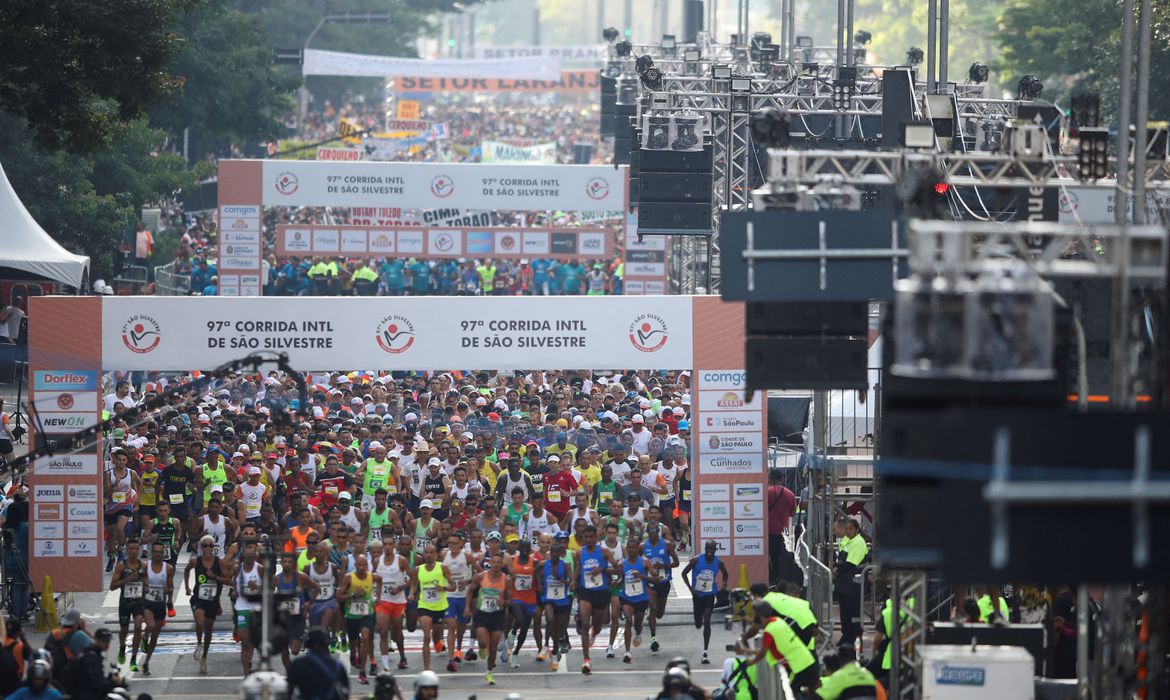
(72, 340)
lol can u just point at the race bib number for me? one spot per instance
(391, 489)
(705, 583)
(421, 543)
(460, 585)
(489, 604)
(686, 495)
(292, 606)
(554, 496)
(388, 590)
(325, 592)
(556, 589)
(523, 582)
(155, 594)
(634, 587)
(119, 497)
(359, 607)
(175, 498)
(605, 496)
(132, 590)
(593, 579)
(431, 594)
(331, 489)
(207, 591)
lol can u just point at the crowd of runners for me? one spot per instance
(481, 509)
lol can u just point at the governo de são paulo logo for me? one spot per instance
(597, 188)
(395, 334)
(648, 333)
(141, 334)
(287, 183)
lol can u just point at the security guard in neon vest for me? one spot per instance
(851, 553)
(781, 642)
(987, 607)
(846, 680)
(886, 632)
(742, 679)
(789, 606)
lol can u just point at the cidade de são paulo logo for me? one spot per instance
(648, 333)
(395, 334)
(141, 333)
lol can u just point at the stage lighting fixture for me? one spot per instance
(692, 55)
(642, 63)
(610, 34)
(721, 71)
(804, 42)
(652, 78)
(862, 37)
(915, 55)
(918, 135)
(623, 48)
(1093, 156)
(741, 84)
(978, 73)
(770, 128)
(1029, 88)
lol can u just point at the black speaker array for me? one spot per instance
(674, 189)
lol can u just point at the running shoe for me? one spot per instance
(362, 678)
(637, 640)
(134, 665)
(515, 661)
(609, 653)
(344, 644)
(555, 663)
(489, 678)
(122, 656)
(471, 655)
(146, 669)
(333, 648)
(171, 612)
(512, 641)
(654, 644)
(110, 564)
(706, 659)
(458, 656)
(439, 647)
(402, 664)
(540, 655)
(627, 658)
(451, 667)
(504, 654)
(203, 667)
(373, 669)
(587, 667)
(236, 639)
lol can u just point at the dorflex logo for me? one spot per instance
(442, 186)
(597, 188)
(648, 333)
(287, 183)
(65, 380)
(395, 334)
(959, 675)
(141, 334)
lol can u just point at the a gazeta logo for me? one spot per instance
(597, 188)
(648, 333)
(141, 334)
(395, 334)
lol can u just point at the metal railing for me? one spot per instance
(167, 282)
(818, 583)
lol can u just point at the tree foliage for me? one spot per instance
(77, 69)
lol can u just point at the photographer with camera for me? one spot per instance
(87, 678)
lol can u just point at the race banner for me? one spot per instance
(499, 152)
(354, 65)
(408, 109)
(339, 154)
(387, 149)
(438, 185)
(442, 242)
(399, 333)
(414, 125)
(570, 82)
(385, 217)
(589, 53)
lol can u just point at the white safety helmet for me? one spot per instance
(426, 679)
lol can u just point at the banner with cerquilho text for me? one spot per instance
(440, 185)
(400, 333)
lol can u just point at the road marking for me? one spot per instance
(499, 670)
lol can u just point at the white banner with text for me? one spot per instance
(357, 65)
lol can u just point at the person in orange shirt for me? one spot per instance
(522, 567)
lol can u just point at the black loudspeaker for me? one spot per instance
(897, 105)
(674, 216)
(582, 153)
(692, 20)
(674, 187)
(823, 318)
(677, 161)
(805, 363)
(608, 105)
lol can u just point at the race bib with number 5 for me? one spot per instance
(556, 590)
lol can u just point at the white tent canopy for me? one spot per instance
(25, 246)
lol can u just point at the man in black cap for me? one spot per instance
(317, 674)
(87, 673)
